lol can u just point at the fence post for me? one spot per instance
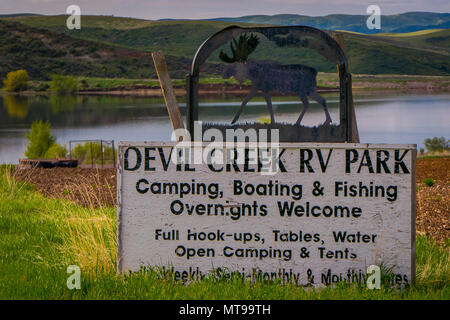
(92, 156)
(101, 149)
(114, 154)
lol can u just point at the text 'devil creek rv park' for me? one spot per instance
(324, 216)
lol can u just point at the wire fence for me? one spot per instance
(93, 153)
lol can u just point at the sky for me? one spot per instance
(202, 9)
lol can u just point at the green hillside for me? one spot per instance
(176, 37)
(119, 47)
(43, 53)
(433, 40)
(404, 22)
(378, 54)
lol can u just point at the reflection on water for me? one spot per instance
(62, 103)
(381, 119)
(16, 106)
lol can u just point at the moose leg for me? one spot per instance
(269, 106)
(251, 94)
(323, 102)
(305, 107)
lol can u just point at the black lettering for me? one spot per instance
(399, 162)
(305, 157)
(323, 165)
(147, 159)
(280, 163)
(367, 163)
(138, 159)
(382, 162)
(138, 186)
(349, 159)
(165, 163)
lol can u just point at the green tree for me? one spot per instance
(55, 151)
(436, 144)
(39, 140)
(16, 81)
(63, 84)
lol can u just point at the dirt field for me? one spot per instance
(433, 203)
(97, 187)
(88, 187)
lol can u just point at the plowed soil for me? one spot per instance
(433, 203)
(97, 187)
(88, 187)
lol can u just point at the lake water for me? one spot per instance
(382, 118)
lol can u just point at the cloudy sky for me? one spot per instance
(197, 9)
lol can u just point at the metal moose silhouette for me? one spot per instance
(269, 76)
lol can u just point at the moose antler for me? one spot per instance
(241, 50)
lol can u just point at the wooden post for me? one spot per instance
(354, 137)
(92, 156)
(114, 154)
(167, 91)
(101, 149)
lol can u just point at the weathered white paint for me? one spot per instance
(392, 222)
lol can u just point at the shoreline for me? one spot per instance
(326, 82)
(181, 92)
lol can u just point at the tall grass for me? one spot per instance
(87, 234)
(88, 238)
(433, 263)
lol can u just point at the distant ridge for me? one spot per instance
(397, 23)
(15, 15)
(109, 46)
(404, 22)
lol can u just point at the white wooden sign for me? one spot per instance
(330, 211)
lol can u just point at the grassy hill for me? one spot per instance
(43, 53)
(15, 15)
(404, 22)
(433, 40)
(109, 46)
(426, 53)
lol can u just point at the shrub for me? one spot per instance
(436, 144)
(264, 120)
(84, 84)
(39, 140)
(56, 151)
(43, 87)
(16, 81)
(428, 182)
(63, 84)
